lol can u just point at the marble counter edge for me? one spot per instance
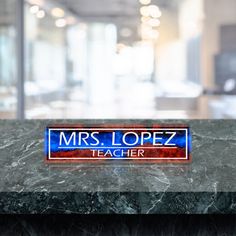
(118, 203)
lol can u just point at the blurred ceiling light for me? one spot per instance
(145, 2)
(60, 23)
(230, 85)
(150, 11)
(41, 14)
(126, 32)
(144, 11)
(154, 11)
(34, 9)
(58, 12)
(36, 2)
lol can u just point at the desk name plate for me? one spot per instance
(135, 143)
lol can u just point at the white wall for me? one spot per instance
(101, 54)
(217, 13)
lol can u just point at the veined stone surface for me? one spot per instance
(29, 185)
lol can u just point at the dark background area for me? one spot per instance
(118, 225)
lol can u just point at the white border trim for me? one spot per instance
(117, 158)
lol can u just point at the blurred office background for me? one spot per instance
(117, 59)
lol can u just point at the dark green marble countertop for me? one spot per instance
(207, 185)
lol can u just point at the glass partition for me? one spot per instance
(45, 60)
(121, 59)
(7, 59)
